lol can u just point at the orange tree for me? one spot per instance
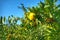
(44, 18)
(40, 22)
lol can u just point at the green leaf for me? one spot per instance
(42, 4)
(46, 6)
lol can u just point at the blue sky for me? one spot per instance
(9, 7)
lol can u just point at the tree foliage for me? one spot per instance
(40, 22)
